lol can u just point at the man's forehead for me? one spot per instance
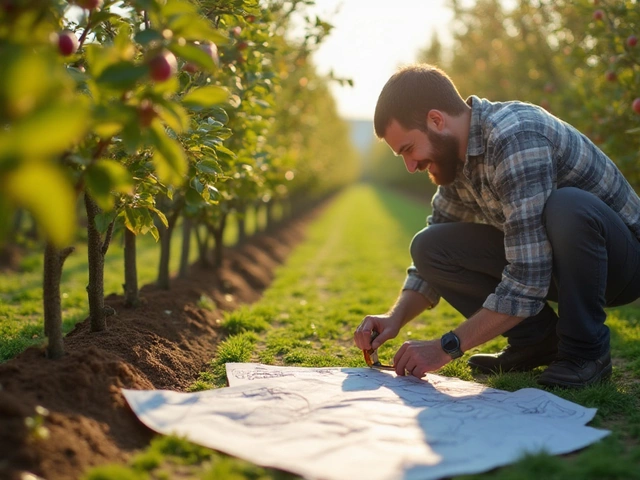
(397, 137)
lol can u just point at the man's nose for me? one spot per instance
(411, 165)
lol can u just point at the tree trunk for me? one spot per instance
(95, 289)
(16, 228)
(165, 250)
(186, 247)
(53, 262)
(203, 247)
(270, 220)
(242, 226)
(218, 246)
(131, 292)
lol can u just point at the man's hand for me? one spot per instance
(386, 325)
(417, 357)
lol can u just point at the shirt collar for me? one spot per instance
(475, 144)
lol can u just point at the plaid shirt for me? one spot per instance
(517, 155)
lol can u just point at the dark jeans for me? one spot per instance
(596, 264)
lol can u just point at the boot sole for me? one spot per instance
(603, 376)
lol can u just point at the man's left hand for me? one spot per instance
(417, 357)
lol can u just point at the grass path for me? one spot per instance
(352, 264)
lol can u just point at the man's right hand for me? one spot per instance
(386, 325)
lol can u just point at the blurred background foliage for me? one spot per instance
(151, 107)
(579, 59)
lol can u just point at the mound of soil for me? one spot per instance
(162, 344)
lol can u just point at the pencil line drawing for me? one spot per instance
(343, 423)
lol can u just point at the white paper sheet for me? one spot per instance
(348, 423)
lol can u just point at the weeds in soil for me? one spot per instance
(353, 264)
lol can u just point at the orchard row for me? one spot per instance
(148, 113)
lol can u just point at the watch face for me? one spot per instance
(450, 342)
(451, 345)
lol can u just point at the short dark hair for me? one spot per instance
(411, 93)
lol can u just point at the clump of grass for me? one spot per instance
(235, 349)
(457, 368)
(205, 302)
(243, 320)
(511, 381)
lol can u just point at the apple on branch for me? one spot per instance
(67, 42)
(146, 112)
(163, 66)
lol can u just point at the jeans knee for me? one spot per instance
(566, 213)
(423, 245)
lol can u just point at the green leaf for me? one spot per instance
(192, 197)
(220, 115)
(147, 36)
(104, 219)
(213, 194)
(122, 75)
(104, 177)
(197, 185)
(193, 53)
(225, 152)
(47, 193)
(205, 97)
(169, 158)
(131, 137)
(161, 216)
(174, 115)
(131, 216)
(47, 131)
(208, 166)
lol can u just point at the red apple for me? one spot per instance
(67, 43)
(636, 105)
(190, 67)
(611, 76)
(242, 45)
(212, 50)
(89, 4)
(632, 41)
(163, 66)
(250, 18)
(146, 112)
(598, 15)
(235, 31)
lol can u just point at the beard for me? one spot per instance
(445, 156)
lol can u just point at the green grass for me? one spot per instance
(21, 317)
(353, 264)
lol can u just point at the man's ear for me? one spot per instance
(435, 120)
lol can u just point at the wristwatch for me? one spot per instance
(450, 343)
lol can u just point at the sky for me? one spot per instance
(370, 40)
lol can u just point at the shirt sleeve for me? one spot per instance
(415, 282)
(524, 179)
